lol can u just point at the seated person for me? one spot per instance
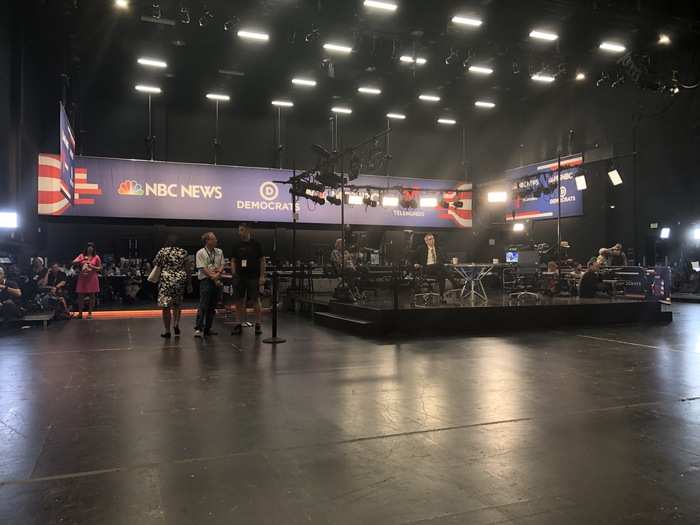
(552, 287)
(430, 261)
(617, 256)
(590, 283)
(340, 257)
(603, 258)
(54, 284)
(10, 295)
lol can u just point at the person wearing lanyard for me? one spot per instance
(210, 265)
(248, 269)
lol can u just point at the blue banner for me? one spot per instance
(122, 188)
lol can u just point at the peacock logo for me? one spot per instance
(130, 187)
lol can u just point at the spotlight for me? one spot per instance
(544, 78)
(615, 177)
(337, 48)
(664, 39)
(497, 196)
(580, 76)
(253, 35)
(390, 201)
(429, 98)
(612, 47)
(518, 227)
(369, 90)
(543, 35)
(369, 202)
(458, 205)
(384, 6)
(8, 220)
(218, 97)
(480, 70)
(184, 15)
(467, 21)
(428, 202)
(396, 116)
(304, 82)
(581, 183)
(121, 4)
(665, 233)
(152, 62)
(484, 104)
(334, 200)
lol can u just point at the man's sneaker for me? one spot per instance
(258, 329)
(198, 333)
(237, 330)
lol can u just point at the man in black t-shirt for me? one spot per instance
(590, 283)
(10, 294)
(248, 269)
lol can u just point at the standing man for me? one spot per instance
(210, 265)
(248, 269)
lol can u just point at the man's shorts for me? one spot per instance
(247, 287)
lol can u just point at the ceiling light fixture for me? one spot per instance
(218, 97)
(580, 76)
(152, 62)
(283, 103)
(337, 48)
(518, 227)
(253, 35)
(384, 6)
(615, 177)
(543, 35)
(121, 4)
(664, 39)
(447, 121)
(369, 90)
(396, 116)
(581, 183)
(429, 98)
(665, 233)
(304, 82)
(612, 47)
(341, 110)
(467, 21)
(541, 77)
(480, 70)
(152, 90)
(484, 104)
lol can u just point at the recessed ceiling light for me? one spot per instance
(341, 110)
(304, 82)
(369, 90)
(396, 116)
(580, 76)
(429, 98)
(467, 21)
(447, 121)
(153, 90)
(480, 70)
(543, 35)
(337, 48)
(253, 35)
(121, 4)
(218, 97)
(664, 39)
(283, 103)
(384, 6)
(484, 104)
(541, 77)
(613, 47)
(152, 62)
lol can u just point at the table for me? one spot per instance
(473, 275)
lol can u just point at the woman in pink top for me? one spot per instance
(89, 264)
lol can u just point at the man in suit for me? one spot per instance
(429, 260)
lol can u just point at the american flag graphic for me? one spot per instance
(462, 217)
(51, 197)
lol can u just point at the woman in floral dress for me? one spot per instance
(174, 276)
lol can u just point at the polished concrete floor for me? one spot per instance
(101, 422)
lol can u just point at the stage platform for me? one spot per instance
(378, 317)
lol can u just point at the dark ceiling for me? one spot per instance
(103, 43)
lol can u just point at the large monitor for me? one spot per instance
(512, 257)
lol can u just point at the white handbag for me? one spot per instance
(154, 276)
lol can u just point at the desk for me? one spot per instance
(473, 275)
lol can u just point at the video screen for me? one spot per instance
(512, 257)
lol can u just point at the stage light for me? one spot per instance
(665, 233)
(121, 4)
(369, 202)
(282, 103)
(408, 203)
(615, 177)
(421, 61)
(406, 59)
(337, 48)
(429, 98)
(334, 200)
(369, 90)
(612, 47)
(580, 76)
(9, 220)
(355, 200)
(304, 82)
(539, 77)
(185, 15)
(428, 202)
(654, 226)
(151, 90)
(518, 227)
(396, 116)
(543, 35)
(389, 201)
(664, 39)
(581, 183)
(458, 204)
(341, 110)
(497, 196)
(696, 234)
(152, 62)
(480, 70)
(447, 121)
(467, 21)
(253, 35)
(218, 97)
(384, 6)
(484, 104)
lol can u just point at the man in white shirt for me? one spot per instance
(210, 265)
